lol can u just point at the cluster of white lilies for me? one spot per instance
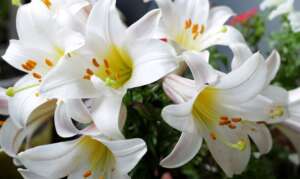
(81, 60)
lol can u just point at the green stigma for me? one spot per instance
(224, 29)
(12, 91)
(16, 2)
(240, 145)
(109, 82)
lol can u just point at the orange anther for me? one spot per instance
(47, 3)
(89, 72)
(26, 67)
(237, 119)
(31, 62)
(87, 174)
(95, 63)
(195, 28)
(107, 72)
(188, 24)
(37, 76)
(106, 63)
(213, 136)
(87, 77)
(49, 62)
(232, 126)
(2, 123)
(224, 122)
(224, 118)
(101, 177)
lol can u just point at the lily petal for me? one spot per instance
(26, 174)
(105, 21)
(185, 150)
(261, 136)
(127, 152)
(241, 53)
(247, 81)
(273, 64)
(218, 16)
(202, 72)
(179, 116)
(149, 55)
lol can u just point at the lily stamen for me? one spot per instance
(87, 174)
(95, 63)
(12, 91)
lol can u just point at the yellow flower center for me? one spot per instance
(207, 112)
(100, 157)
(277, 112)
(115, 69)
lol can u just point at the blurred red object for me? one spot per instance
(243, 17)
(167, 175)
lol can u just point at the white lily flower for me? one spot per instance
(42, 41)
(114, 59)
(192, 25)
(280, 7)
(85, 157)
(206, 110)
(274, 105)
(27, 112)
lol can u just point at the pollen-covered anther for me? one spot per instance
(37, 75)
(29, 65)
(236, 119)
(49, 63)
(87, 77)
(195, 28)
(224, 121)
(2, 122)
(95, 62)
(232, 125)
(47, 3)
(89, 72)
(188, 24)
(87, 174)
(213, 136)
(106, 63)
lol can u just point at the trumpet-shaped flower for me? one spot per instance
(207, 110)
(114, 59)
(280, 7)
(42, 41)
(85, 157)
(27, 112)
(192, 25)
(274, 105)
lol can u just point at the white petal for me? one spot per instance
(261, 136)
(196, 10)
(66, 81)
(149, 55)
(78, 111)
(218, 17)
(277, 94)
(292, 124)
(241, 53)
(273, 64)
(294, 95)
(106, 114)
(27, 103)
(127, 152)
(18, 53)
(292, 135)
(70, 40)
(63, 123)
(231, 160)
(179, 89)
(283, 8)
(184, 151)
(145, 28)
(35, 25)
(56, 160)
(11, 138)
(269, 3)
(245, 82)
(26, 174)
(170, 18)
(3, 102)
(294, 18)
(226, 36)
(179, 116)
(202, 72)
(105, 21)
